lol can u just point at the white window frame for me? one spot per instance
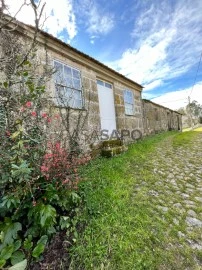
(65, 86)
(129, 102)
(104, 83)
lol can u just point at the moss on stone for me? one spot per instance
(110, 152)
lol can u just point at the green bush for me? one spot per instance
(38, 177)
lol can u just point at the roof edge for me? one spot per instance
(47, 35)
(149, 101)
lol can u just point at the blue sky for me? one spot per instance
(155, 43)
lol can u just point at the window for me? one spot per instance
(108, 85)
(68, 86)
(129, 102)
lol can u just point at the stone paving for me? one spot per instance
(177, 194)
(181, 175)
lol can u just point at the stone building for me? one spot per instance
(111, 101)
(157, 118)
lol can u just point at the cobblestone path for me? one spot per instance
(176, 197)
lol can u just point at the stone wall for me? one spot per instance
(89, 75)
(124, 121)
(157, 118)
(89, 114)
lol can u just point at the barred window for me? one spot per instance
(68, 86)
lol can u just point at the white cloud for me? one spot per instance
(153, 84)
(143, 64)
(60, 16)
(95, 18)
(99, 23)
(167, 43)
(178, 99)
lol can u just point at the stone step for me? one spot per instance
(112, 143)
(113, 151)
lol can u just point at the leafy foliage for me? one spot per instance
(38, 171)
(17, 257)
(195, 108)
(38, 177)
(40, 246)
(9, 231)
(20, 265)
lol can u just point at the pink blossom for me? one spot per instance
(57, 145)
(44, 115)
(44, 168)
(28, 104)
(47, 156)
(48, 119)
(34, 114)
(57, 116)
(22, 109)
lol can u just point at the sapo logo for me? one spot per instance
(105, 135)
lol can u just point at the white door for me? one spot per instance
(106, 104)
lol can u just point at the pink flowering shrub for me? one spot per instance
(59, 164)
(38, 175)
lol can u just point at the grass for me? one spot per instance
(199, 129)
(184, 138)
(189, 129)
(123, 227)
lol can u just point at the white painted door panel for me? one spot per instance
(107, 110)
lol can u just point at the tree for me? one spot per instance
(195, 108)
(194, 112)
(182, 111)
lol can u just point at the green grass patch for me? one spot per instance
(123, 228)
(184, 138)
